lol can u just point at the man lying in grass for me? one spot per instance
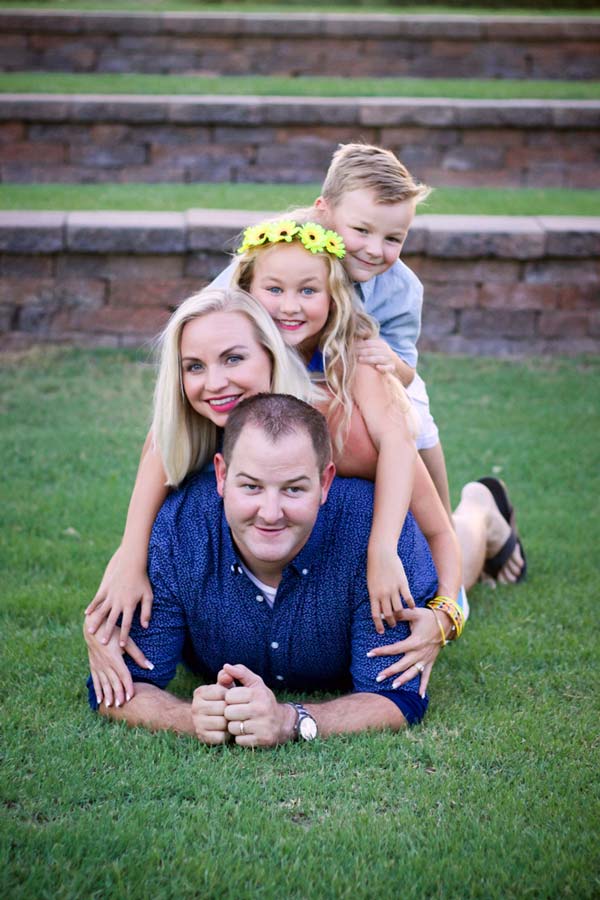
(261, 585)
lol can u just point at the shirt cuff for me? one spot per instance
(412, 706)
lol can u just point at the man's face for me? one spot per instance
(373, 233)
(271, 493)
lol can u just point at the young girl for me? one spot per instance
(295, 271)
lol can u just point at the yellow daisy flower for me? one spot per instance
(283, 231)
(312, 237)
(254, 236)
(334, 244)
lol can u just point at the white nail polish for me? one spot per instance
(149, 664)
(128, 697)
(379, 678)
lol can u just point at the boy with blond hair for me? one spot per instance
(369, 197)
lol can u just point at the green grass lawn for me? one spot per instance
(177, 197)
(494, 796)
(308, 86)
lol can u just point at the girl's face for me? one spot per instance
(222, 362)
(291, 283)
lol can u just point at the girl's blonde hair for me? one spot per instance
(186, 440)
(346, 324)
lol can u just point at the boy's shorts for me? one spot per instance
(428, 435)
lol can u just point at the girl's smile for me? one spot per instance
(291, 284)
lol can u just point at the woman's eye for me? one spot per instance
(234, 359)
(194, 367)
(308, 292)
(361, 230)
(274, 290)
(393, 240)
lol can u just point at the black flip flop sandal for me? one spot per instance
(495, 564)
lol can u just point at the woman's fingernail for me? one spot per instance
(379, 678)
(370, 654)
(128, 697)
(117, 703)
(107, 703)
(149, 665)
(395, 684)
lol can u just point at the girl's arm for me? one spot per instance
(425, 640)
(125, 582)
(388, 428)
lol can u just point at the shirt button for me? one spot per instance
(279, 677)
(260, 598)
(274, 645)
(305, 571)
(232, 567)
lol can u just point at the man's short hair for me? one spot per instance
(358, 166)
(278, 415)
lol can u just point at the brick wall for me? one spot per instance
(472, 143)
(493, 285)
(302, 44)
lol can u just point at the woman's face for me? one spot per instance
(291, 283)
(222, 362)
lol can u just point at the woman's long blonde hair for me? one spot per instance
(347, 323)
(186, 440)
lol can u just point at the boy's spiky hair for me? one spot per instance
(356, 166)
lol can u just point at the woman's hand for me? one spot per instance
(388, 586)
(111, 677)
(123, 586)
(420, 649)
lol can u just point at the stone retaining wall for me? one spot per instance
(302, 44)
(493, 285)
(112, 138)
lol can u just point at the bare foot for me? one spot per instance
(497, 532)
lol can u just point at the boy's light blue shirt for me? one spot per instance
(394, 298)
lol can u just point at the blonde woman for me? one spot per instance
(245, 357)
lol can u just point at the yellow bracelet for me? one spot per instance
(452, 609)
(440, 626)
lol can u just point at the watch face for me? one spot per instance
(308, 728)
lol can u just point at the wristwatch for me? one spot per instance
(306, 726)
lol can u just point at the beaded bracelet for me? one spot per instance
(452, 609)
(449, 606)
(440, 626)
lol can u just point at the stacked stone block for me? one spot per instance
(291, 44)
(492, 285)
(471, 143)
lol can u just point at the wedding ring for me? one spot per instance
(419, 667)
(242, 729)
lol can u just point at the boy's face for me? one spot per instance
(373, 233)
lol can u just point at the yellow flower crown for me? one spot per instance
(313, 237)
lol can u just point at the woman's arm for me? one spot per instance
(125, 582)
(388, 429)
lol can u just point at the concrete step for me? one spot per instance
(104, 138)
(367, 44)
(494, 285)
